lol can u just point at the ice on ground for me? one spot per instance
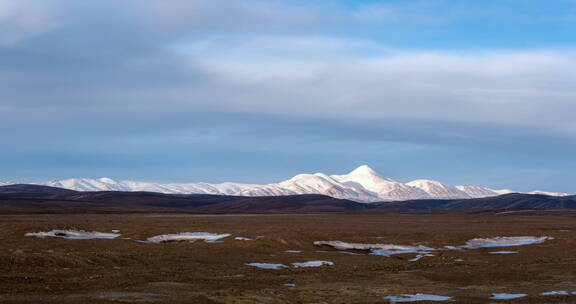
(74, 234)
(417, 297)
(290, 285)
(267, 265)
(239, 238)
(377, 249)
(507, 296)
(313, 264)
(505, 241)
(115, 230)
(294, 251)
(388, 250)
(555, 293)
(346, 252)
(187, 237)
(418, 257)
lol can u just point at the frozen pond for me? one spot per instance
(507, 296)
(74, 234)
(187, 237)
(503, 252)
(416, 298)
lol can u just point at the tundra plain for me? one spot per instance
(126, 270)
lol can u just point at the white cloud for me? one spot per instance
(20, 20)
(226, 15)
(335, 79)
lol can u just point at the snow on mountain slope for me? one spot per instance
(88, 184)
(318, 183)
(383, 188)
(549, 193)
(362, 185)
(437, 189)
(504, 191)
(107, 184)
(478, 192)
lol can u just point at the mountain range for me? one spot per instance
(361, 185)
(38, 199)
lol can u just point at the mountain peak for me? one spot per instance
(363, 170)
(106, 180)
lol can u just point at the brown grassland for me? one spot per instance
(53, 270)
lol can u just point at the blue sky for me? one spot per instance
(465, 92)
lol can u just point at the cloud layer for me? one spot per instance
(441, 78)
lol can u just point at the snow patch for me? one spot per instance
(505, 241)
(294, 265)
(294, 251)
(313, 264)
(187, 237)
(267, 265)
(418, 257)
(74, 234)
(388, 250)
(417, 297)
(377, 249)
(239, 238)
(555, 293)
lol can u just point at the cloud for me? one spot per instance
(201, 16)
(312, 77)
(335, 79)
(20, 20)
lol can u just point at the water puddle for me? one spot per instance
(507, 296)
(416, 298)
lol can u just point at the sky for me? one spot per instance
(256, 91)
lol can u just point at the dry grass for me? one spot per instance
(124, 271)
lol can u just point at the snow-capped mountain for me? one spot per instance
(365, 185)
(107, 184)
(549, 193)
(362, 185)
(439, 190)
(379, 188)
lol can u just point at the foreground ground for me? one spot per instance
(34, 270)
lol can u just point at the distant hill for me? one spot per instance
(505, 201)
(37, 197)
(33, 191)
(361, 185)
